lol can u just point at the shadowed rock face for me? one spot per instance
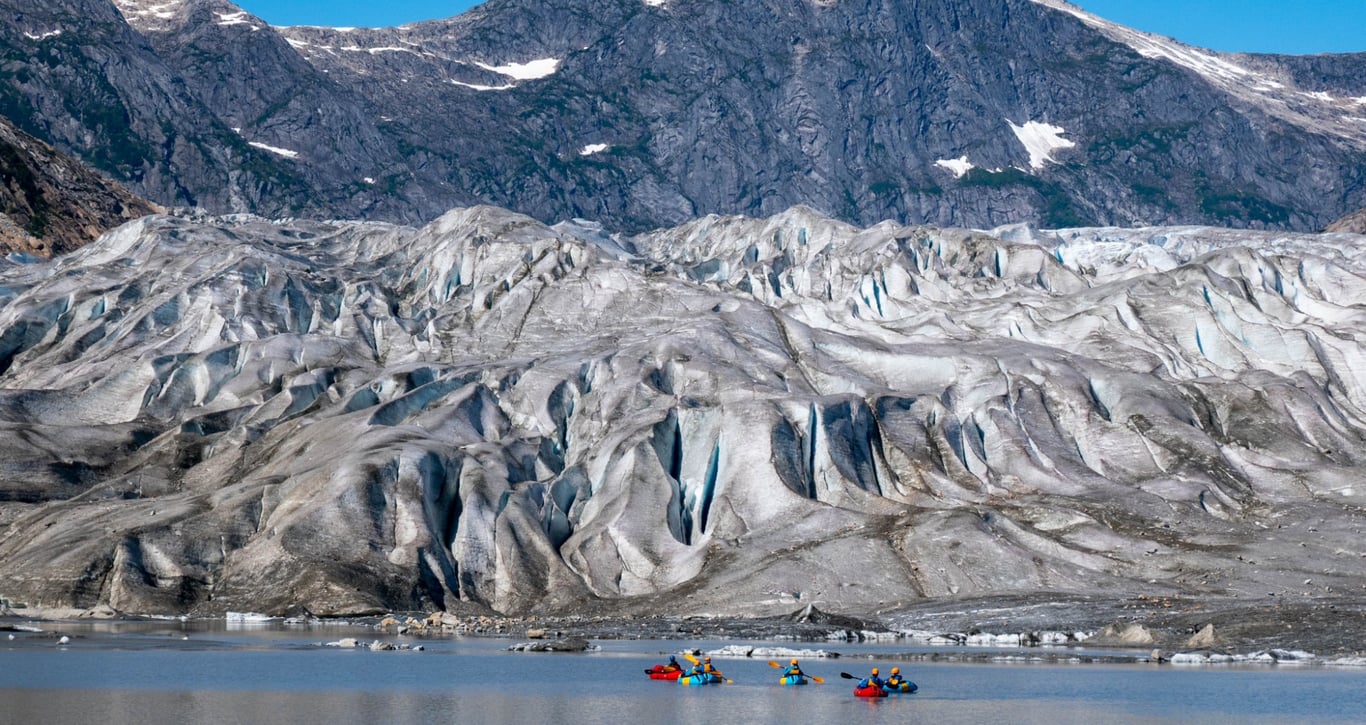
(735, 416)
(50, 203)
(643, 115)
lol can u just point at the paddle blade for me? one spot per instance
(771, 663)
(820, 680)
(690, 658)
(847, 676)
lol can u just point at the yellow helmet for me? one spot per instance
(875, 670)
(794, 660)
(896, 670)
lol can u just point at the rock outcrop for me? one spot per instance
(50, 203)
(1351, 224)
(736, 416)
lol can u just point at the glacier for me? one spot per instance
(733, 417)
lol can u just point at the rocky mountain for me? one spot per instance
(735, 416)
(50, 203)
(648, 113)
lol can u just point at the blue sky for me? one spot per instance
(1270, 26)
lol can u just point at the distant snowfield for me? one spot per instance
(1041, 140)
(959, 167)
(481, 87)
(238, 18)
(145, 13)
(274, 149)
(530, 70)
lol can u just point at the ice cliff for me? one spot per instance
(737, 416)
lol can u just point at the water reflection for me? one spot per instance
(224, 678)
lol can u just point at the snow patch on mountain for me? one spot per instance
(530, 70)
(148, 14)
(287, 153)
(238, 18)
(481, 87)
(383, 49)
(959, 167)
(43, 36)
(1040, 140)
(593, 148)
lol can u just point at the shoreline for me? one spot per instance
(1000, 630)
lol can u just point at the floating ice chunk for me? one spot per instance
(739, 650)
(275, 150)
(1041, 140)
(959, 166)
(530, 70)
(984, 639)
(247, 617)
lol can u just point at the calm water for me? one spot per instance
(284, 677)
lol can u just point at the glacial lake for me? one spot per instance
(283, 675)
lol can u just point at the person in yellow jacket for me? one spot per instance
(895, 682)
(871, 680)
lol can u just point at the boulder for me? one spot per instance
(1206, 637)
(1129, 633)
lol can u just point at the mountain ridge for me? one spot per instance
(642, 116)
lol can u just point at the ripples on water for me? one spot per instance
(284, 677)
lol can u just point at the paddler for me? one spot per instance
(704, 668)
(794, 670)
(871, 680)
(895, 682)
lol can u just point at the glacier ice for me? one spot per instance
(735, 416)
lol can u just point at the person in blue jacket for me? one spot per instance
(896, 681)
(871, 680)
